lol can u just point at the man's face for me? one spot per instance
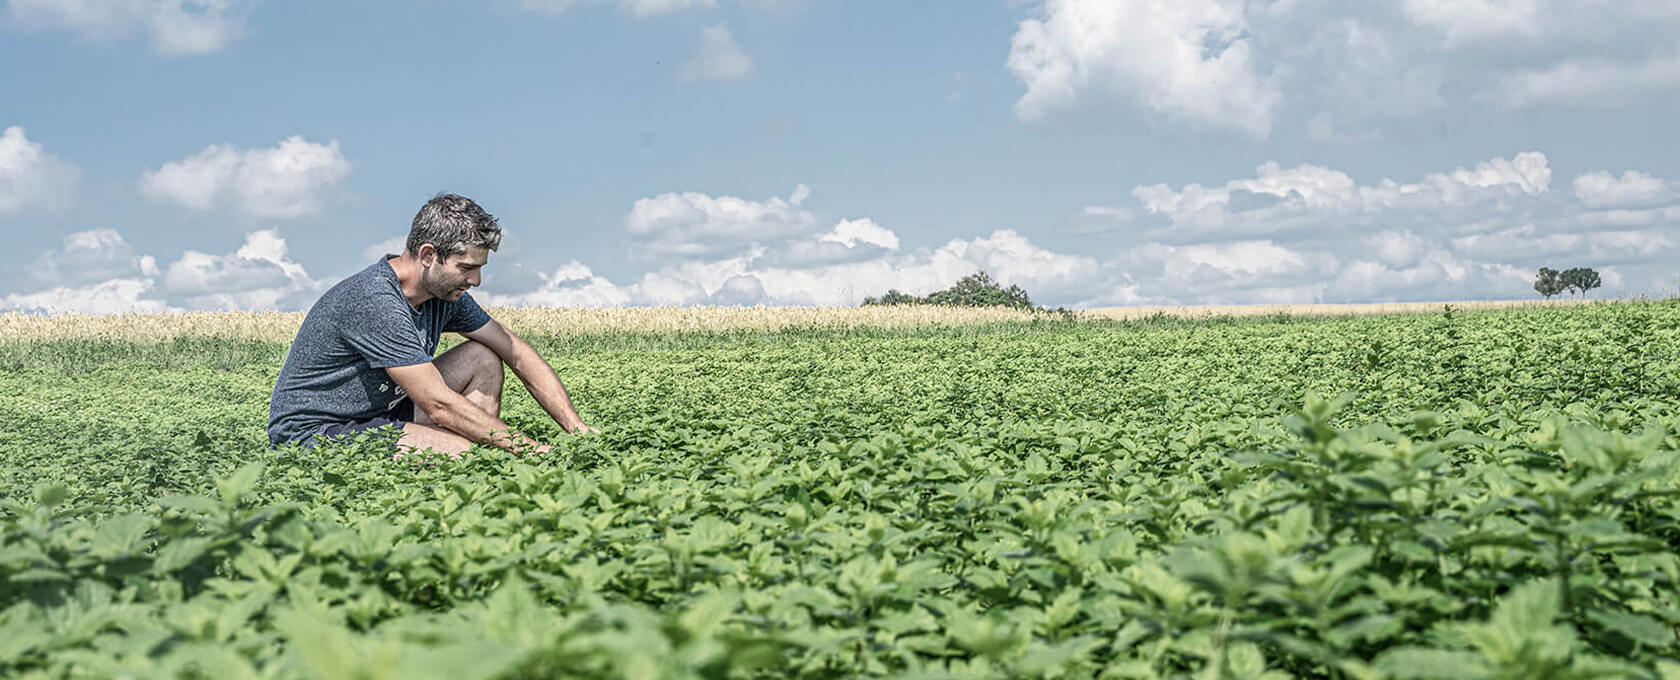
(449, 278)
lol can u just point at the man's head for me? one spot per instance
(452, 238)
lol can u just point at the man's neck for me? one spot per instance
(408, 273)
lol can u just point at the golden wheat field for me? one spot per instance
(540, 321)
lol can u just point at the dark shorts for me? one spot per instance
(395, 417)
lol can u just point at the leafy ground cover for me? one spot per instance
(1452, 495)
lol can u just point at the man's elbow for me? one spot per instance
(441, 411)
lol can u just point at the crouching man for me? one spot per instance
(363, 358)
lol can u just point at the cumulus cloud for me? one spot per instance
(97, 271)
(92, 272)
(1440, 275)
(90, 257)
(1600, 188)
(1466, 21)
(391, 246)
(31, 178)
(1349, 70)
(1188, 59)
(175, 27)
(638, 8)
(259, 275)
(1284, 235)
(692, 224)
(284, 182)
(866, 231)
(1296, 197)
(757, 274)
(719, 57)
(1472, 232)
(645, 8)
(1588, 82)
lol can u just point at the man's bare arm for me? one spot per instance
(538, 376)
(454, 412)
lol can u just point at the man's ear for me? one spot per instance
(427, 254)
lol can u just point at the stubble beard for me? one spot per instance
(440, 286)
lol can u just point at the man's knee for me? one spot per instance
(483, 360)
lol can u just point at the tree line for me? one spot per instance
(1551, 282)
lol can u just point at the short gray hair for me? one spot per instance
(451, 224)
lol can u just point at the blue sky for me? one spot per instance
(245, 154)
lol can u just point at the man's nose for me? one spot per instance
(474, 278)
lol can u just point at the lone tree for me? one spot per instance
(1580, 279)
(975, 290)
(1549, 282)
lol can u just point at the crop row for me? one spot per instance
(1494, 496)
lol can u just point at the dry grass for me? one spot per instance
(533, 321)
(281, 327)
(1198, 312)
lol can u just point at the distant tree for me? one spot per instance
(979, 290)
(1580, 279)
(1549, 282)
(975, 290)
(893, 297)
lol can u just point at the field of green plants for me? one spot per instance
(1446, 495)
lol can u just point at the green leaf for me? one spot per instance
(1421, 663)
(193, 504)
(121, 535)
(51, 495)
(1642, 629)
(238, 485)
(179, 553)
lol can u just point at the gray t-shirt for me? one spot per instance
(335, 371)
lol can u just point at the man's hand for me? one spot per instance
(584, 429)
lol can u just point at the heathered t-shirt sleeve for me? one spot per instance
(466, 316)
(383, 332)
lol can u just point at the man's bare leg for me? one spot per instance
(475, 372)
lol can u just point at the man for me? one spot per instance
(363, 360)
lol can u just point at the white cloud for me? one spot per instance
(1439, 276)
(1351, 71)
(639, 8)
(176, 27)
(1601, 188)
(90, 257)
(31, 178)
(1374, 72)
(1109, 212)
(259, 275)
(1588, 82)
(1309, 190)
(1397, 249)
(1188, 59)
(547, 6)
(1284, 235)
(1468, 233)
(719, 57)
(97, 271)
(1323, 130)
(93, 272)
(391, 246)
(751, 278)
(693, 224)
(284, 182)
(1467, 21)
(646, 8)
(109, 297)
(854, 232)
